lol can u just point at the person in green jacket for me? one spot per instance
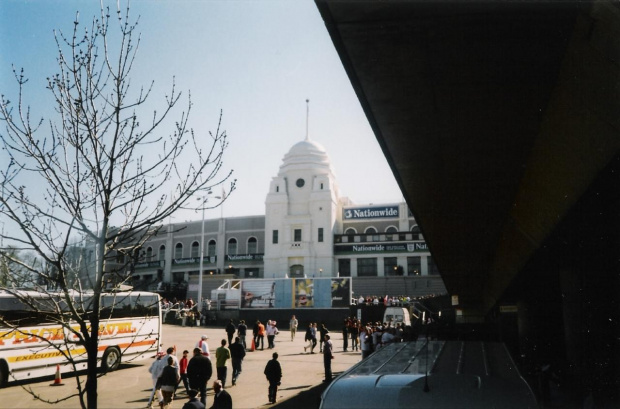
(222, 354)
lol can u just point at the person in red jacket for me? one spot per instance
(183, 371)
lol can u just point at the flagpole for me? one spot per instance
(307, 118)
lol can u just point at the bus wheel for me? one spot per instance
(111, 359)
(4, 374)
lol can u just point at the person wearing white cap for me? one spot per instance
(204, 346)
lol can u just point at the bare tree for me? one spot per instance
(96, 171)
(14, 273)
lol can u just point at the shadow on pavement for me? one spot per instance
(310, 399)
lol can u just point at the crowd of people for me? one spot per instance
(169, 373)
(188, 311)
(368, 337)
(388, 301)
(193, 373)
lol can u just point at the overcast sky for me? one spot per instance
(258, 61)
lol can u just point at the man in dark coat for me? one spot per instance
(221, 398)
(237, 353)
(323, 330)
(230, 331)
(168, 381)
(193, 402)
(242, 330)
(273, 372)
(199, 371)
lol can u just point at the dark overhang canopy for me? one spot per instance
(494, 116)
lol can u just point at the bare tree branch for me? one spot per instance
(97, 173)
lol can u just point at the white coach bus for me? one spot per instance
(32, 345)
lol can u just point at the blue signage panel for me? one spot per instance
(375, 212)
(410, 247)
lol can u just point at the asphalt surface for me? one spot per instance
(130, 386)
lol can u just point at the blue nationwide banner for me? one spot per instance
(375, 212)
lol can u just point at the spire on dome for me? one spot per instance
(307, 116)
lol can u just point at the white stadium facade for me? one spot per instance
(309, 230)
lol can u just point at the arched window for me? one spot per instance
(149, 253)
(138, 254)
(389, 233)
(178, 251)
(211, 248)
(415, 229)
(371, 234)
(252, 245)
(162, 252)
(195, 249)
(350, 231)
(232, 247)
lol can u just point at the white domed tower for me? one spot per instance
(301, 213)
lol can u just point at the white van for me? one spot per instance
(397, 314)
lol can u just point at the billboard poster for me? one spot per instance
(341, 292)
(258, 293)
(304, 293)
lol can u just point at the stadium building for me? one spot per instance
(309, 230)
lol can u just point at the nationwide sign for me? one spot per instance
(194, 260)
(412, 247)
(150, 264)
(245, 257)
(358, 213)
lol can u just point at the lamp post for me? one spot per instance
(202, 247)
(202, 250)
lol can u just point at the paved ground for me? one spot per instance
(130, 386)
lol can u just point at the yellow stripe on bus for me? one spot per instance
(74, 352)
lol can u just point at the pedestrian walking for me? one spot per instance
(183, 371)
(271, 331)
(365, 342)
(171, 352)
(345, 334)
(308, 338)
(313, 333)
(273, 372)
(322, 331)
(222, 354)
(237, 353)
(255, 333)
(328, 355)
(293, 327)
(354, 331)
(242, 330)
(230, 330)
(204, 346)
(199, 371)
(193, 402)
(155, 371)
(261, 336)
(168, 380)
(221, 398)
